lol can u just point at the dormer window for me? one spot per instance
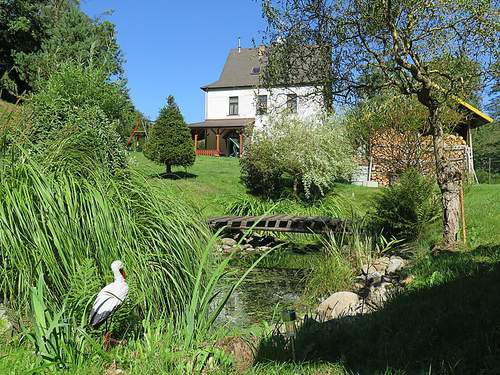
(233, 106)
(255, 70)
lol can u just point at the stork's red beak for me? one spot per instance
(124, 274)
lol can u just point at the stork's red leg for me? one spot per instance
(106, 341)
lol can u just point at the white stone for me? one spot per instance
(367, 269)
(381, 264)
(228, 241)
(338, 305)
(396, 265)
(374, 278)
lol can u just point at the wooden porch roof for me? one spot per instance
(223, 123)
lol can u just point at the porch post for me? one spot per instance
(241, 143)
(195, 141)
(217, 140)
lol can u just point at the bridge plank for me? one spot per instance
(279, 223)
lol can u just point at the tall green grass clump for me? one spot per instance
(67, 227)
(331, 206)
(406, 209)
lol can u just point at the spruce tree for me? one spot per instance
(169, 141)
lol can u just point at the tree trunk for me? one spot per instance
(448, 177)
(168, 168)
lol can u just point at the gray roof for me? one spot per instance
(243, 68)
(223, 123)
(238, 69)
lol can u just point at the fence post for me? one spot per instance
(489, 170)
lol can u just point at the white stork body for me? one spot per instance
(110, 297)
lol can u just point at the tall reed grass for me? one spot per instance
(67, 227)
(331, 206)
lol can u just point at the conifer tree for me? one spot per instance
(169, 141)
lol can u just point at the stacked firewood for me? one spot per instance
(393, 152)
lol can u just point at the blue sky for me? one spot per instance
(174, 46)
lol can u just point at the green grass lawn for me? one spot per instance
(215, 181)
(212, 182)
(482, 212)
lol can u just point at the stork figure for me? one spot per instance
(108, 300)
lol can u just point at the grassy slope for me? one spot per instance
(482, 209)
(214, 181)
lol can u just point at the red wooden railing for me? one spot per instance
(207, 152)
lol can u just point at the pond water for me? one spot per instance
(262, 296)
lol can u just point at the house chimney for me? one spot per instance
(239, 44)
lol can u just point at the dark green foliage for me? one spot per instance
(169, 141)
(73, 122)
(259, 175)
(74, 38)
(406, 208)
(37, 37)
(22, 28)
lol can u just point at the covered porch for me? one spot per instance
(224, 137)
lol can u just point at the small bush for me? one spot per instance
(307, 154)
(405, 209)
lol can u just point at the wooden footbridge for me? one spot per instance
(279, 223)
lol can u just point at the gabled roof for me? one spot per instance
(239, 69)
(244, 66)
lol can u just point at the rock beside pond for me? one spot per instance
(395, 265)
(384, 266)
(381, 264)
(242, 351)
(228, 242)
(338, 305)
(377, 282)
(379, 294)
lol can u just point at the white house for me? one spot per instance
(236, 101)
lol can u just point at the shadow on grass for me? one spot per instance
(180, 175)
(441, 327)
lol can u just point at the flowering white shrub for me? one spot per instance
(312, 153)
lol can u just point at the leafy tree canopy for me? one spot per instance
(74, 87)
(37, 37)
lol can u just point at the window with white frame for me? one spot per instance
(233, 105)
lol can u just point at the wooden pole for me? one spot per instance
(217, 142)
(462, 213)
(196, 141)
